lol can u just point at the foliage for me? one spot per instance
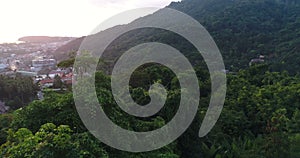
(50, 141)
(17, 91)
(66, 63)
(261, 112)
(259, 119)
(245, 29)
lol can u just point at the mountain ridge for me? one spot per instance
(44, 39)
(245, 29)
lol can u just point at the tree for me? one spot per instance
(50, 141)
(57, 83)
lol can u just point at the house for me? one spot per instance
(54, 73)
(259, 60)
(46, 83)
(67, 79)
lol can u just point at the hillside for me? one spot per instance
(242, 29)
(44, 39)
(63, 52)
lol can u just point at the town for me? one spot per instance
(35, 60)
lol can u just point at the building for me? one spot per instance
(38, 65)
(27, 73)
(46, 83)
(54, 73)
(259, 60)
(44, 63)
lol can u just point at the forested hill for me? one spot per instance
(245, 29)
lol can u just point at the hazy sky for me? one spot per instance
(61, 17)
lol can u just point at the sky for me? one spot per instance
(74, 18)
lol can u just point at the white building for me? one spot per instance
(43, 63)
(37, 65)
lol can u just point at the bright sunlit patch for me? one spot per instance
(60, 17)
